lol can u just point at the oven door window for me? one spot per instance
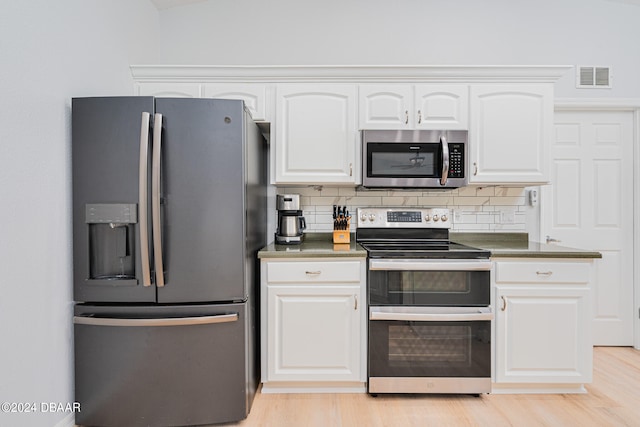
(429, 349)
(403, 160)
(447, 288)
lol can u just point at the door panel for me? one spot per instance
(589, 205)
(203, 200)
(106, 136)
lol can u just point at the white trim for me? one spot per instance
(351, 73)
(597, 104)
(68, 421)
(636, 228)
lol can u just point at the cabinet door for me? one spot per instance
(255, 96)
(509, 134)
(386, 107)
(313, 333)
(542, 335)
(170, 90)
(441, 107)
(316, 134)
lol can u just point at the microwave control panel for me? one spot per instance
(456, 160)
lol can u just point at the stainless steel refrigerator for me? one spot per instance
(169, 211)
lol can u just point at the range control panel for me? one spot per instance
(404, 218)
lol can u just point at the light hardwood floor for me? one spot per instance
(613, 399)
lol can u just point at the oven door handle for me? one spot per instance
(438, 315)
(429, 265)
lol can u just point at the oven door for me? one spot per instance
(432, 282)
(430, 349)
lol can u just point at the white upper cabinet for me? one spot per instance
(427, 106)
(386, 106)
(316, 113)
(510, 131)
(170, 90)
(256, 97)
(316, 136)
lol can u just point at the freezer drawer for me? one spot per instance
(161, 366)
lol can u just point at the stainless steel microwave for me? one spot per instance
(414, 158)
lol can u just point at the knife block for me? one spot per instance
(343, 236)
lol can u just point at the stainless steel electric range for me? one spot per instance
(429, 304)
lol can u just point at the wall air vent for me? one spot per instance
(593, 77)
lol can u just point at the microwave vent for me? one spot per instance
(593, 77)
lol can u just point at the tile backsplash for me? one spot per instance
(472, 208)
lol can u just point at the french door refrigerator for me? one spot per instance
(169, 211)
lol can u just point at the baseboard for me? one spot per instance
(68, 421)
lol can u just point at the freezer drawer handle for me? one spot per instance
(180, 321)
(142, 189)
(155, 199)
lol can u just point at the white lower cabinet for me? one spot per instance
(542, 325)
(313, 325)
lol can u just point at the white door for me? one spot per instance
(589, 205)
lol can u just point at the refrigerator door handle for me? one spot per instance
(143, 205)
(171, 321)
(155, 199)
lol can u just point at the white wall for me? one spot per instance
(408, 32)
(50, 51)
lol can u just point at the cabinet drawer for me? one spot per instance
(347, 271)
(541, 272)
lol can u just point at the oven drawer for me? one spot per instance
(541, 272)
(314, 272)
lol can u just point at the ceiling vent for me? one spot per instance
(593, 77)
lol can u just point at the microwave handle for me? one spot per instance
(445, 160)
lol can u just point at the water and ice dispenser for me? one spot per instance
(111, 241)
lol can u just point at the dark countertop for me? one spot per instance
(315, 245)
(518, 245)
(501, 245)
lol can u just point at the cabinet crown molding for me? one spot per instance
(351, 73)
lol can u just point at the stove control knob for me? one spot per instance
(363, 217)
(372, 217)
(427, 218)
(436, 217)
(443, 218)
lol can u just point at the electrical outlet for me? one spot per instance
(457, 216)
(507, 217)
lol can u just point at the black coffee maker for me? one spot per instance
(291, 223)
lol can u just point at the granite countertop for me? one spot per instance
(315, 245)
(518, 245)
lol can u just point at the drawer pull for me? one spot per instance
(313, 273)
(544, 273)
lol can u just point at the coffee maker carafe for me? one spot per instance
(291, 223)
